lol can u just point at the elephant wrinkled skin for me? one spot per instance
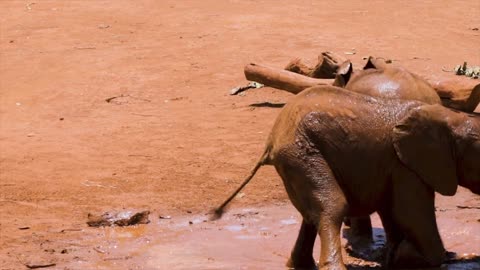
(341, 153)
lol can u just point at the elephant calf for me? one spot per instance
(342, 153)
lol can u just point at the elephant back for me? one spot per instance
(393, 82)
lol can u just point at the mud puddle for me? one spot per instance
(254, 238)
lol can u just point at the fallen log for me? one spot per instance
(458, 93)
(326, 68)
(281, 79)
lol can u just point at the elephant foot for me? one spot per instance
(301, 263)
(340, 266)
(407, 256)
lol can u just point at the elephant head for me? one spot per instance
(442, 146)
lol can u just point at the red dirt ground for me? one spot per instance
(173, 140)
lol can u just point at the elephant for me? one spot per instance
(341, 153)
(377, 78)
(385, 80)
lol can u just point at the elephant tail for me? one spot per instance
(264, 160)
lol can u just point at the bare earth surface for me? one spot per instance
(173, 141)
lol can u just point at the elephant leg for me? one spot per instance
(301, 257)
(330, 251)
(393, 233)
(331, 206)
(360, 227)
(314, 191)
(413, 211)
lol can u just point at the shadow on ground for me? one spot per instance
(267, 105)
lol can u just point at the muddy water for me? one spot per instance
(259, 238)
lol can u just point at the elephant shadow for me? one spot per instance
(370, 251)
(363, 267)
(267, 105)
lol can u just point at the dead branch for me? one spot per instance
(36, 266)
(326, 67)
(281, 79)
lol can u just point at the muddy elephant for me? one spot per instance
(342, 153)
(385, 80)
(377, 78)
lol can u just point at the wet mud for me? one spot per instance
(255, 238)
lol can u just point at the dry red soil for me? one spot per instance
(174, 141)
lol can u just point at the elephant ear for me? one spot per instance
(344, 73)
(374, 63)
(424, 144)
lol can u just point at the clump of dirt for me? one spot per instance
(124, 218)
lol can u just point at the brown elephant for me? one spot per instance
(377, 78)
(385, 80)
(342, 153)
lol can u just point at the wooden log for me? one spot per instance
(297, 66)
(281, 79)
(326, 68)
